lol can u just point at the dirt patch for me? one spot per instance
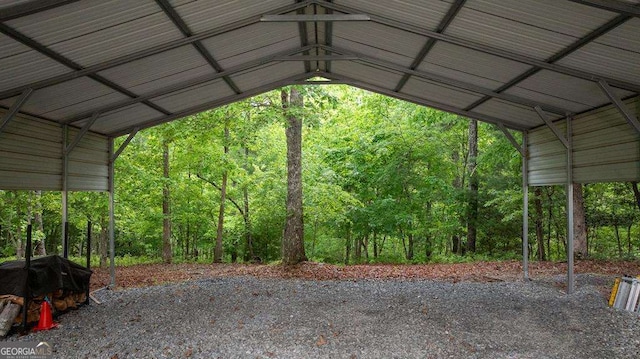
(153, 274)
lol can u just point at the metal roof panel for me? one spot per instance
(161, 70)
(368, 74)
(471, 66)
(194, 96)
(89, 32)
(269, 73)
(125, 117)
(19, 65)
(536, 28)
(205, 15)
(615, 54)
(422, 13)
(519, 114)
(439, 93)
(69, 98)
(252, 42)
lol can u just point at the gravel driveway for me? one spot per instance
(246, 317)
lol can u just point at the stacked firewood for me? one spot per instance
(11, 307)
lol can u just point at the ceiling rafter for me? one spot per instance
(25, 40)
(444, 23)
(186, 31)
(610, 25)
(89, 70)
(489, 49)
(186, 84)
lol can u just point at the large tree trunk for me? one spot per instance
(579, 224)
(472, 213)
(293, 238)
(167, 255)
(539, 231)
(217, 252)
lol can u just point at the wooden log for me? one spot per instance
(8, 315)
(71, 303)
(60, 305)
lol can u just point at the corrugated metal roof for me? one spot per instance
(130, 59)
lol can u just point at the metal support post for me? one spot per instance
(27, 268)
(525, 208)
(65, 193)
(570, 275)
(112, 218)
(88, 300)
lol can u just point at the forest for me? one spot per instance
(383, 181)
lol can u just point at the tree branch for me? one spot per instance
(235, 204)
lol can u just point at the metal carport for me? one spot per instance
(76, 74)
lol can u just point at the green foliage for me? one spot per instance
(384, 181)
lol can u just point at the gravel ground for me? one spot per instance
(245, 317)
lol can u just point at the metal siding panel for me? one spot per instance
(252, 42)
(194, 96)
(204, 15)
(267, 74)
(160, 71)
(537, 28)
(615, 172)
(89, 32)
(439, 93)
(13, 180)
(378, 41)
(368, 74)
(19, 65)
(547, 157)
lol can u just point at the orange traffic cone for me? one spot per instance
(46, 321)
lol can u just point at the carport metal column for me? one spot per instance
(112, 216)
(65, 192)
(571, 285)
(525, 205)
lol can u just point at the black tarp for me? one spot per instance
(46, 275)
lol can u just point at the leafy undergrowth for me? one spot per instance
(153, 274)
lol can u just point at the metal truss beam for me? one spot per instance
(617, 102)
(124, 145)
(512, 139)
(315, 18)
(552, 126)
(15, 108)
(81, 134)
